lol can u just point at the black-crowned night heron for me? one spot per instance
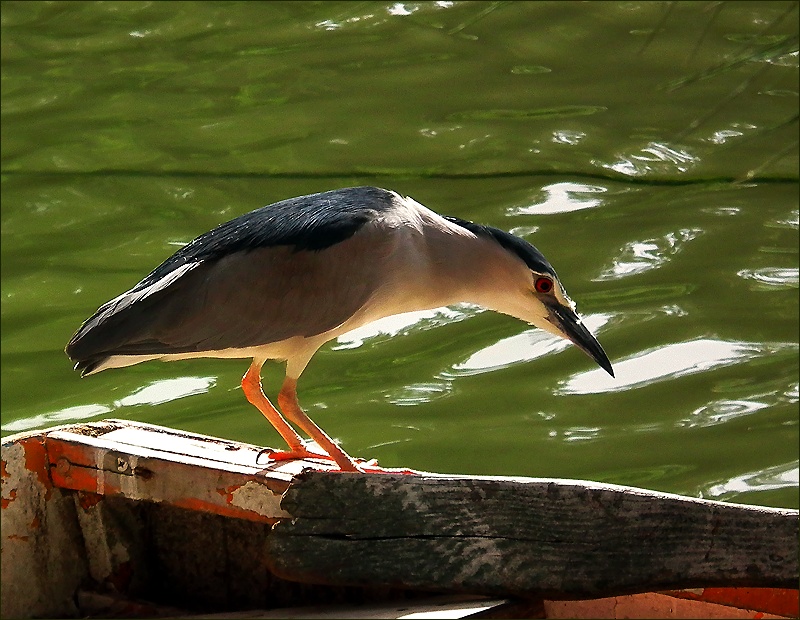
(279, 282)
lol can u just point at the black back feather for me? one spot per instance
(312, 222)
(531, 256)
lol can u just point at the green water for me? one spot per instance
(648, 149)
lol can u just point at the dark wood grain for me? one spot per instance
(529, 537)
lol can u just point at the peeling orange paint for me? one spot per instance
(4, 470)
(194, 503)
(81, 478)
(37, 463)
(18, 537)
(228, 492)
(36, 523)
(75, 453)
(5, 502)
(87, 499)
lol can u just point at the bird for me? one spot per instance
(279, 282)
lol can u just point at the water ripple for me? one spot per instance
(656, 157)
(420, 393)
(639, 256)
(720, 412)
(669, 362)
(156, 393)
(403, 324)
(529, 345)
(562, 198)
(167, 390)
(68, 414)
(772, 276)
(777, 477)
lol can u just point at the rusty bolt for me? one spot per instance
(63, 466)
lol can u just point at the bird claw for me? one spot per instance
(363, 465)
(372, 467)
(288, 455)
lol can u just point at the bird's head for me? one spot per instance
(552, 310)
(522, 283)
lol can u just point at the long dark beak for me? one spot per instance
(571, 326)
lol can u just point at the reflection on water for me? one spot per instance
(772, 276)
(722, 136)
(403, 323)
(565, 136)
(777, 477)
(668, 362)
(66, 415)
(579, 433)
(167, 390)
(729, 409)
(156, 393)
(529, 345)
(656, 157)
(792, 222)
(720, 412)
(418, 393)
(562, 198)
(640, 256)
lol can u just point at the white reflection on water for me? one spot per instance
(398, 8)
(725, 211)
(156, 393)
(772, 276)
(401, 323)
(782, 476)
(167, 390)
(565, 136)
(419, 393)
(791, 222)
(655, 157)
(579, 433)
(668, 362)
(721, 411)
(69, 414)
(562, 198)
(639, 256)
(529, 345)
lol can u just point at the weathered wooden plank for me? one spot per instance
(151, 463)
(107, 468)
(42, 561)
(511, 537)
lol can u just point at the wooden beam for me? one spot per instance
(524, 537)
(150, 463)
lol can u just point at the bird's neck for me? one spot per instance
(462, 267)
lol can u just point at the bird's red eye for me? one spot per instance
(543, 285)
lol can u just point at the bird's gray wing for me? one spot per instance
(245, 299)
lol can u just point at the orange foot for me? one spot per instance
(284, 455)
(372, 467)
(365, 466)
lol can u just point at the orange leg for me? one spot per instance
(287, 400)
(251, 386)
